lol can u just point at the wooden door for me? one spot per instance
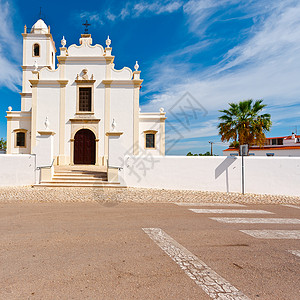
(84, 147)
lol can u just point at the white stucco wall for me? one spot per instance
(121, 109)
(48, 106)
(17, 170)
(263, 175)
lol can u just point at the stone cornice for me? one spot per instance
(135, 83)
(36, 82)
(18, 114)
(25, 94)
(85, 120)
(114, 133)
(46, 132)
(85, 81)
(31, 68)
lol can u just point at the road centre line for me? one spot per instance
(212, 284)
(274, 234)
(228, 211)
(257, 220)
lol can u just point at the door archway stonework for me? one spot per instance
(89, 124)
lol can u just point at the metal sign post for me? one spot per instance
(244, 152)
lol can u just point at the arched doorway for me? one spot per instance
(84, 147)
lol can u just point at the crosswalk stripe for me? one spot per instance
(274, 234)
(290, 205)
(257, 220)
(228, 211)
(295, 252)
(210, 204)
(212, 283)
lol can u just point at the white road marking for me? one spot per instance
(295, 252)
(209, 204)
(290, 205)
(212, 284)
(228, 211)
(274, 234)
(257, 220)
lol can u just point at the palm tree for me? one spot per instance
(242, 123)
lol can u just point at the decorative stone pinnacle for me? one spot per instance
(63, 42)
(161, 110)
(9, 108)
(136, 66)
(108, 41)
(35, 65)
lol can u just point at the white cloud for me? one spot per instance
(133, 10)
(156, 7)
(266, 66)
(10, 50)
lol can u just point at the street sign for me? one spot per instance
(244, 150)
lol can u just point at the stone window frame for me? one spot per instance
(33, 50)
(85, 84)
(16, 131)
(154, 132)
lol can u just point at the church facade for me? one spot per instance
(81, 103)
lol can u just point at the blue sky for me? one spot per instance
(218, 51)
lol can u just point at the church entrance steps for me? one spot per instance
(80, 176)
(80, 184)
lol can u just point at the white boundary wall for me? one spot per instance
(17, 170)
(263, 175)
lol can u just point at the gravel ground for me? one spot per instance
(112, 196)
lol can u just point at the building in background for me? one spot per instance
(274, 146)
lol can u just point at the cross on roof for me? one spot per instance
(86, 24)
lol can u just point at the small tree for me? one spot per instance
(207, 153)
(242, 123)
(2, 144)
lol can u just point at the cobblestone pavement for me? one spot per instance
(113, 196)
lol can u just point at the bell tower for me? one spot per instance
(38, 52)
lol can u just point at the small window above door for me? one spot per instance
(85, 99)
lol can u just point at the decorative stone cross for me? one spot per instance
(86, 24)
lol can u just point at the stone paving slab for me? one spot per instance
(114, 196)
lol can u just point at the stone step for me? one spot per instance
(55, 177)
(95, 185)
(80, 173)
(91, 181)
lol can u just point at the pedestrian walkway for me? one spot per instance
(257, 220)
(229, 211)
(257, 233)
(274, 234)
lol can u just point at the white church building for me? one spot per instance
(80, 125)
(81, 104)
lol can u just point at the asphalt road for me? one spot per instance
(148, 251)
